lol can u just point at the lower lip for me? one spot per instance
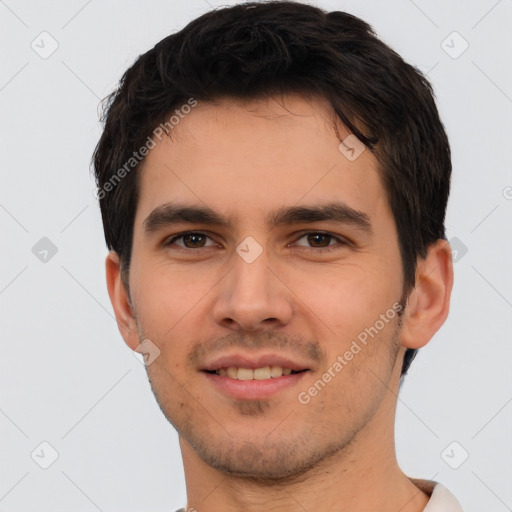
(253, 389)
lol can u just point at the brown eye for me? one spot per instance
(319, 239)
(190, 240)
(194, 240)
(318, 242)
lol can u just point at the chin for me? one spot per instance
(283, 459)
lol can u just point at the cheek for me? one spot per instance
(165, 295)
(170, 308)
(345, 298)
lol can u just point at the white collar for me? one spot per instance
(441, 499)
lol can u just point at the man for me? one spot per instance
(273, 182)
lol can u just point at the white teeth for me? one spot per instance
(261, 373)
(276, 371)
(264, 373)
(245, 374)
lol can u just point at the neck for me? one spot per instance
(333, 485)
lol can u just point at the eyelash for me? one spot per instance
(327, 249)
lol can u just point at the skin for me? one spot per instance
(244, 160)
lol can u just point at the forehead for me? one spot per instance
(251, 157)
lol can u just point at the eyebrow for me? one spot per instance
(168, 214)
(334, 212)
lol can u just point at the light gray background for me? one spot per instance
(66, 376)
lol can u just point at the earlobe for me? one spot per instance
(429, 302)
(120, 300)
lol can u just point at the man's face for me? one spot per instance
(274, 286)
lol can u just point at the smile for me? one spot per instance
(264, 373)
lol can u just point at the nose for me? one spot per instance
(252, 296)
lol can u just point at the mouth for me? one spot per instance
(263, 373)
(255, 378)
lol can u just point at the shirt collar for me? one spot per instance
(441, 499)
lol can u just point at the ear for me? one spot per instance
(429, 302)
(120, 300)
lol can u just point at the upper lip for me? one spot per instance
(253, 362)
